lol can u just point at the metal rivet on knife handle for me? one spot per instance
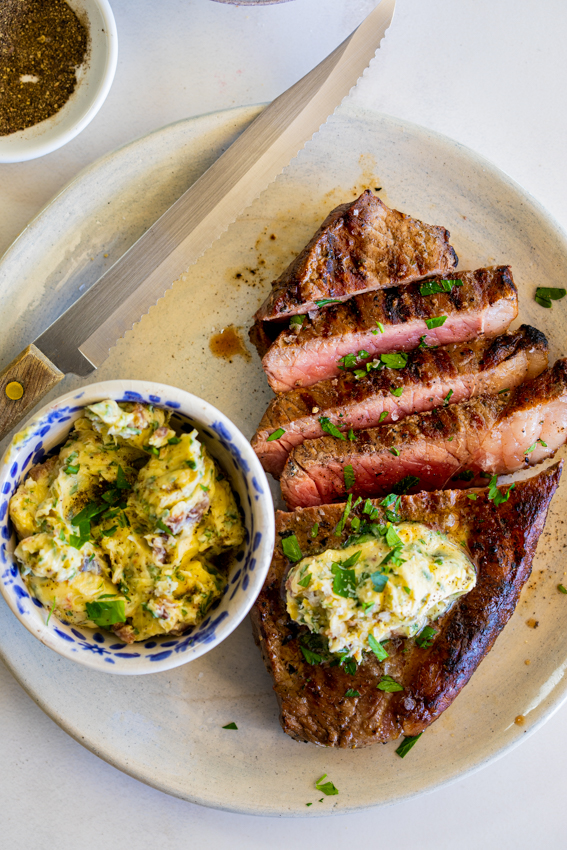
(22, 384)
(14, 390)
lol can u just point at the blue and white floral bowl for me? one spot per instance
(100, 649)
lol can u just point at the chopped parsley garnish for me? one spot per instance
(275, 435)
(397, 391)
(347, 362)
(173, 441)
(351, 693)
(106, 613)
(407, 744)
(395, 452)
(341, 523)
(422, 342)
(349, 476)
(351, 435)
(426, 636)
(315, 530)
(304, 582)
(297, 320)
(546, 294)
(121, 480)
(291, 548)
(377, 648)
(344, 581)
(397, 360)
(435, 322)
(432, 287)
(230, 726)
(191, 464)
(561, 588)
(153, 450)
(163, 527)
(349, 665)
(531, 448)
(389, 685)
(323, 302)
(204, 487)
(383, 415)
(54, 602)
(392, 538)
(359, 374)
(464, 475)
(379, 581)
(494, 493)
(327, 788)
(472, 496)
(447, 398)
(329, 428)
(310, 656)
(407, 482)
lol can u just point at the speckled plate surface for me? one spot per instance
(166, 729)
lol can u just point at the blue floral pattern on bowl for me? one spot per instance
(100, 649)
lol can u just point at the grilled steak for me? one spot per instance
(501, 540)
(453, 446)
(361, 245)
(486, 303)
(468, 370)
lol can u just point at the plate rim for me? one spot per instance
(558, 232)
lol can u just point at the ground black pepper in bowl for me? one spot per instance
(42, 43)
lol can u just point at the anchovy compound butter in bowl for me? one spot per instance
(137, 526)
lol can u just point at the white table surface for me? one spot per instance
(490, 73)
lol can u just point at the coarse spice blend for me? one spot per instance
(42, 43)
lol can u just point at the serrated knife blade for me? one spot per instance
(80, 339)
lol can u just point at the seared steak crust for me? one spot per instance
(467, 370)
(454, 446)
(361, 245)
(501, 540)
(303, 354)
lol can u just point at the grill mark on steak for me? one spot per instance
(471, 369)
(300, 356)
(501, 540)
(450, 446)
(362, 245)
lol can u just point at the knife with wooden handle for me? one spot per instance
(80, 339)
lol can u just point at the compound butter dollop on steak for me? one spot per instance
(402, 684)
(426, 379)
(361, 246)
(470, 304)
(457, 446)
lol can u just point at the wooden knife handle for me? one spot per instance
(22, 384)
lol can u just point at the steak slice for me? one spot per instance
(501, 540)
(467, 370)
(454, 446)
(361, 245)
(303, 354)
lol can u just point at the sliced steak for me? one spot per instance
(467, 370)
(501, 540)
(453, 446)
(390, 320)
(361, 245)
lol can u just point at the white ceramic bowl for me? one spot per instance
(94, 81)
(100, 649)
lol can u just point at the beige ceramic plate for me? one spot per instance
(166, 729)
